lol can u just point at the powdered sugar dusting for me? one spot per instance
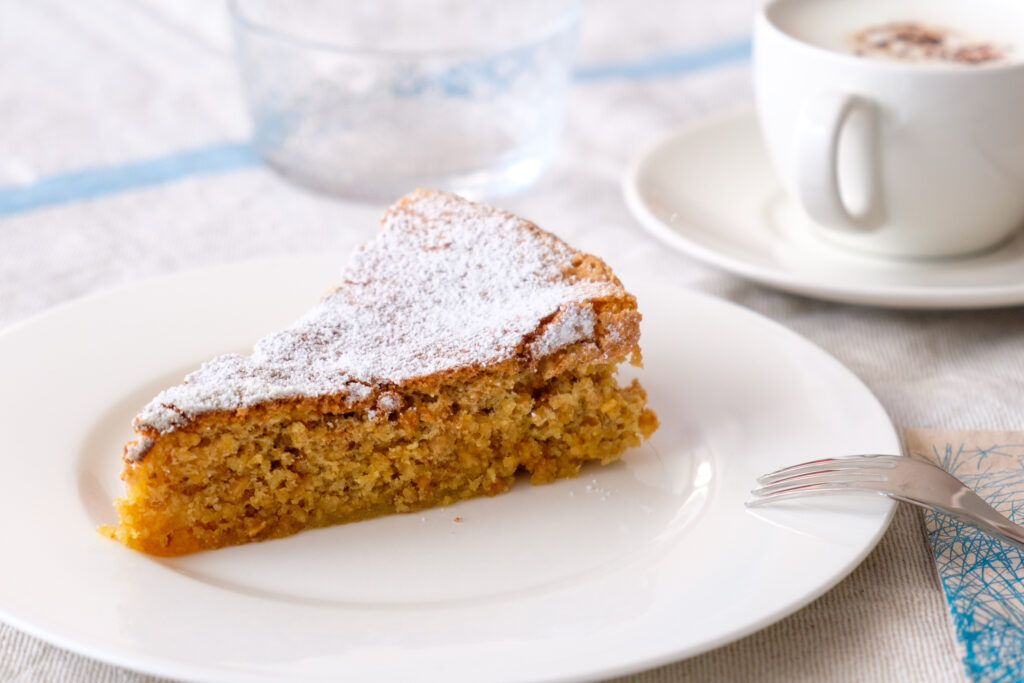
(447, 283)
(136, 449)
(572, 324)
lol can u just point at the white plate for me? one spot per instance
(631, 565)
(709, 191)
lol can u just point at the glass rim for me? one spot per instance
(566, 21)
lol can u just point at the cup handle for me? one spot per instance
(821, 124)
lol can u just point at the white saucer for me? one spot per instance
(709, 192)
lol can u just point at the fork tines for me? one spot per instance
(846, 474)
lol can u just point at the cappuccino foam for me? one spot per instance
(926, 32)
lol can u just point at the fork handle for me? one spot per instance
(975, 512)
(990, 521)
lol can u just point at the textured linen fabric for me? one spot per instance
(111, 82)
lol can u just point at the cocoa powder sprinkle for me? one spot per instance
(914, 42)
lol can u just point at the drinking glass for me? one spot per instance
(372, 98)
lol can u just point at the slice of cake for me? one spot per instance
(463, 345)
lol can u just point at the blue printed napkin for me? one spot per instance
(982, 578)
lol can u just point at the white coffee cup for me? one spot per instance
(922, 159)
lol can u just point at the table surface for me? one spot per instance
(125, 156)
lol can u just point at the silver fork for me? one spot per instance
(899, 477)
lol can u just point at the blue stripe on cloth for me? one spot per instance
(98, 181)
(668, 63)
(90, 183)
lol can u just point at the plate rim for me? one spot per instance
(913, 297)
(176, 668)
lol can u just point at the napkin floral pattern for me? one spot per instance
(983, 579)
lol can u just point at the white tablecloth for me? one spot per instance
(100, 100)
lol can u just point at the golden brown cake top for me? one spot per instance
(447, 284)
